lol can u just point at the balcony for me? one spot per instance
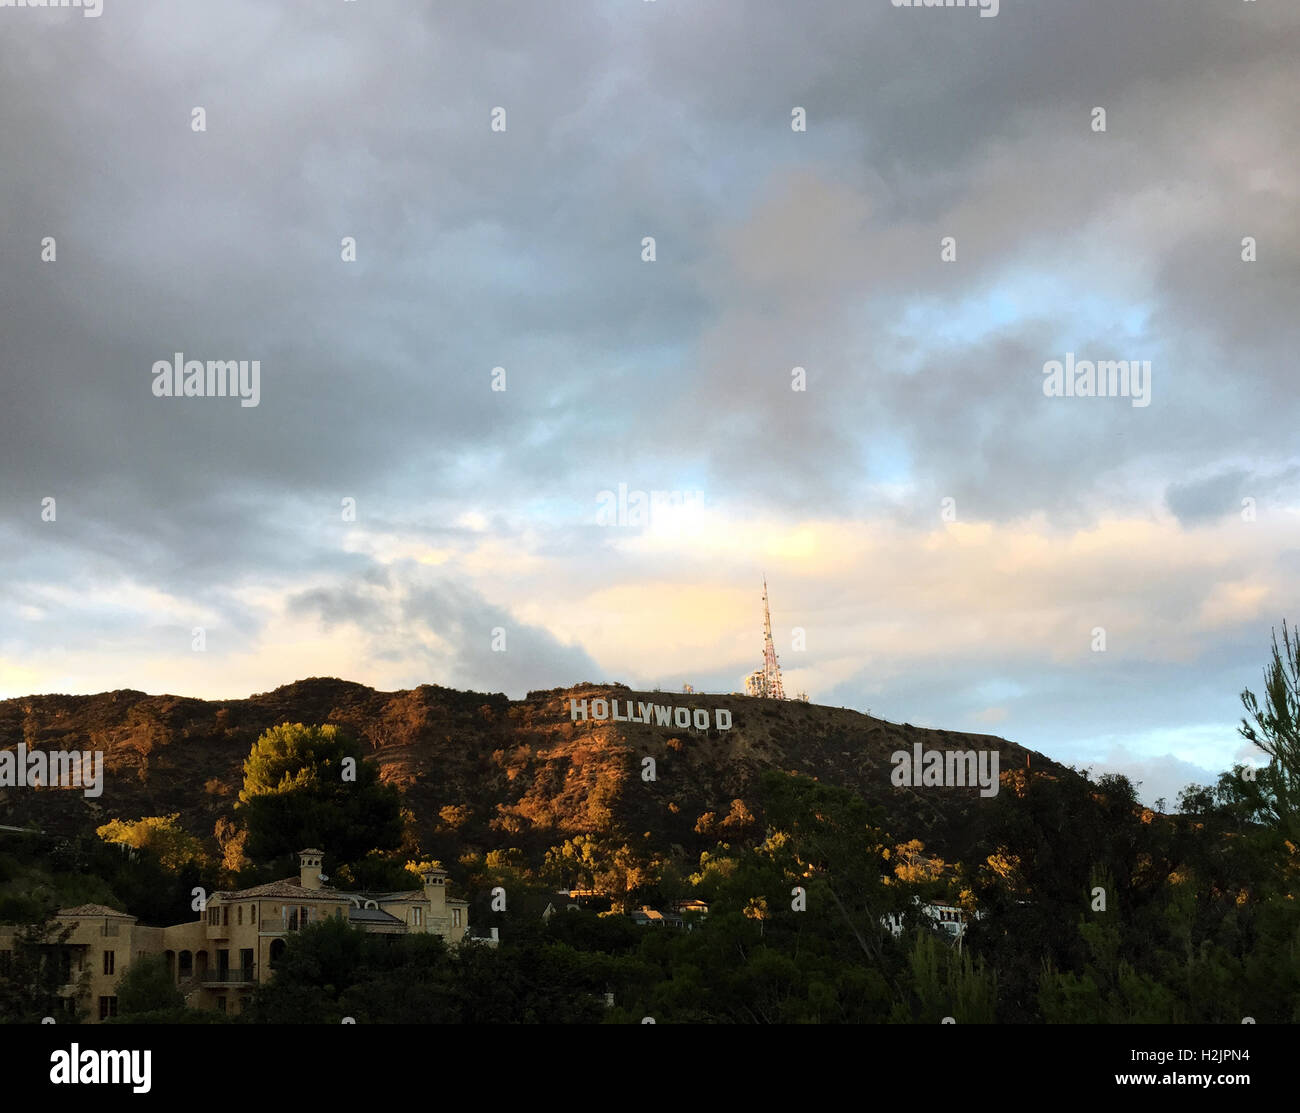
(230, 979)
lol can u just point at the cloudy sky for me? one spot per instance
(1173, 527)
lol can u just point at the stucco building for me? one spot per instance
(220, 958)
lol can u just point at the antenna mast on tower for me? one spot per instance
(766, 682)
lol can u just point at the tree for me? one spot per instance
(162, 836)
(38, 970)
(945, 982)
(317, 964)
(147, 986)
(615, 870)
(231, 838)
(1276, 729)
(1042, 838)
(312, 786)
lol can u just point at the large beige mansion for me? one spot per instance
(220, 958)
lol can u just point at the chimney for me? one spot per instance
(435, 890)
(309, 868)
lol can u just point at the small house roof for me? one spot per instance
(288, 889)
(372, 916)
(94, 910)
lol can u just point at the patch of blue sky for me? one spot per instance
(886, 459)
(1211, 745)
(997, 691)
(1024, 300)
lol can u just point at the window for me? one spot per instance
(252, 913)
(455, 917)
(63, 959)
(419, 917)
(225, 916)
(240, 916)
(107, 1006)
(110, 961)
(221, 1004)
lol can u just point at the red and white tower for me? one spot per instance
(766, 682)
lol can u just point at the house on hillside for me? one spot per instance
(219, 959)
(949, 918)
(652, 917)
(559, 901)
(563, 899)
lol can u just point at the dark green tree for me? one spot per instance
(1275, 730)
(37, 974)
(313, 787)
(147, 986)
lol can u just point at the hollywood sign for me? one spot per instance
(653, 714)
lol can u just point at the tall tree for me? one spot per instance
(1276, 729)
(312, 786)
(36, 974)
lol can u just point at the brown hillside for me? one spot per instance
(500, 772)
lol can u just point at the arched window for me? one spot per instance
(239, 916)
(187, 965)
(252, 913)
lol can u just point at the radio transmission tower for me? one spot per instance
(766, 682)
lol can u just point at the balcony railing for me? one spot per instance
(246, 975)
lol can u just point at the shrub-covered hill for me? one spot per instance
(483, 771)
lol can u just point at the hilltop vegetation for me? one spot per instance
(482, 774)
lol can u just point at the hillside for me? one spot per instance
(484, 771)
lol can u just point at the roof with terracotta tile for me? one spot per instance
(94, 910)
(288, 888)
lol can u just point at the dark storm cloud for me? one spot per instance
(522, 249)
